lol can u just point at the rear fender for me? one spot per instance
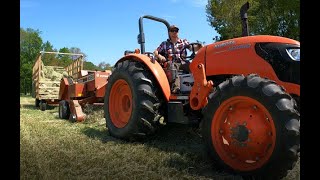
(156, 70)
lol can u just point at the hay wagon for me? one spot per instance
(46, 79)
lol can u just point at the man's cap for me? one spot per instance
(173, 27)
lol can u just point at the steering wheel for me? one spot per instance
(193, 54)
(149, 54)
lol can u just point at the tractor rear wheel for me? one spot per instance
(251, 126)
(64, 110)
(132, 101)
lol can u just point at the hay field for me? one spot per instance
(51, 148)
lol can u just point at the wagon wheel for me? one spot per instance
(43, 105)
(64, 110)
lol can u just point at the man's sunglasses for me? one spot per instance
(174, 30)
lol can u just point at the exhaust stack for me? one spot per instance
(244, 19)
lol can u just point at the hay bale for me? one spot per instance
(50, 80)
(53, 74)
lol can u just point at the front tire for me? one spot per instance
(132, 101)
(251, 126)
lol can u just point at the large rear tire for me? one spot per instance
(251, 127)
(132, 101)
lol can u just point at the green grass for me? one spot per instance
(51, 148)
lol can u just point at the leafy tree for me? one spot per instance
(76, 50)
(277, 17)
(273, 17)
(30, 46)
(49, 59)
(64, 60)
(108, 67)
(90, 66)
(104, 66)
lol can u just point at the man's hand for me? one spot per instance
(161, 58)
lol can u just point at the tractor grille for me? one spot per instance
(275, 54)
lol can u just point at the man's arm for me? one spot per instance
(159, 57)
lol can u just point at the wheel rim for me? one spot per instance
(120, 103)
(243, 133)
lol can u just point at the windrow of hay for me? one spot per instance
(94, 114)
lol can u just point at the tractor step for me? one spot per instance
(175, 113)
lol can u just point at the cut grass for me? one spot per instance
(51, 148)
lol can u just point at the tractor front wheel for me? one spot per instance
(251, 126)
(132, 101)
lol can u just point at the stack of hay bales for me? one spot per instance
(50, 81)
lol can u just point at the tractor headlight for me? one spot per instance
(294, 54)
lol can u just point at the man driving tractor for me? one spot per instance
(171, 51)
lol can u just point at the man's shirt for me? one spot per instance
(171, 50)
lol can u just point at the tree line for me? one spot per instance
(31, 44)
(268, 17)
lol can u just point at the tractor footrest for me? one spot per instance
(175, 113)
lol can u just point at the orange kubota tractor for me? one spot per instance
(243, 92)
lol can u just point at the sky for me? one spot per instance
(104, 29)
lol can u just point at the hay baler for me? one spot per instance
(84, 87)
